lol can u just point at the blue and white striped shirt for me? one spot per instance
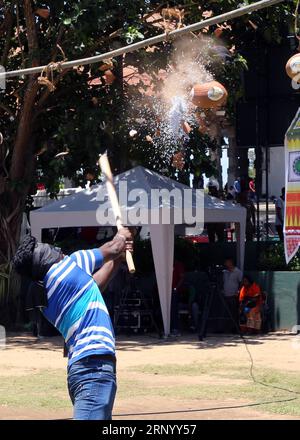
(76, 307)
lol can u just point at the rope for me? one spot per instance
(148, 42)
(43, 79)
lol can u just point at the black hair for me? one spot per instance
(249, 278)
(22, 261)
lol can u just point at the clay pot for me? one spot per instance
(42, 12)
(209, 95)
(293, 66)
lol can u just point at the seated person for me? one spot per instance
(250, 304)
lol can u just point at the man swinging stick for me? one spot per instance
(74, 305)
(66, 287)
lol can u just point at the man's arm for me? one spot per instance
(114, 248)
(113, 255)
(104, 275)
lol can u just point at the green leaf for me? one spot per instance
(67, 21)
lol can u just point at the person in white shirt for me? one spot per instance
(232, 278)
(279, 205)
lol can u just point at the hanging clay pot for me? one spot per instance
(42, 12)
(293, 66)
(209, 95)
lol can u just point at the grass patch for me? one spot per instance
(268, 396)
(193, 369)
(45, 389)
(225, 370)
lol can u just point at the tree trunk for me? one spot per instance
(14, 188)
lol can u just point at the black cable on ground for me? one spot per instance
(251, 371)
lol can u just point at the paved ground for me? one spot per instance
(161, 379)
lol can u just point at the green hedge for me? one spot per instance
(273, 259)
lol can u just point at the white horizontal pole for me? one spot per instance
(150, 41)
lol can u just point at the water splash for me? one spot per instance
(163, 118)
(177, 116)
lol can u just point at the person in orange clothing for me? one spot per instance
(250, 301)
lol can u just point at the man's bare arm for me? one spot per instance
(114, 248)
(104, 275)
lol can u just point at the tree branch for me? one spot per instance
(7, 110)
(47, 92)
(18, 35)
(31, 33)
(156, 10)
(9, 34)
(21, 147)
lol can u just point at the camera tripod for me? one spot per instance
(212, 296)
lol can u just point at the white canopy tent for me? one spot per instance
(89, 207)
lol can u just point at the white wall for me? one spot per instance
(276, 172)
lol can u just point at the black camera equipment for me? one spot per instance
(214, 298)
(134, 311)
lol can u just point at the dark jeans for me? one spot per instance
(92, 388)
(176, 306)
(232, 314)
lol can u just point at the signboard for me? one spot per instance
(292, 185)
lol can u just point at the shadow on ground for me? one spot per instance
(141, 342)
(27, 341)
(136, 343)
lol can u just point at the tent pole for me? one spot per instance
(162, 243)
